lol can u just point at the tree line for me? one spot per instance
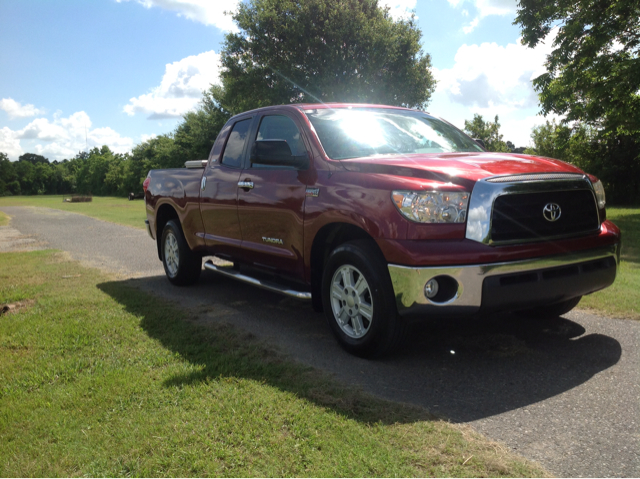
(290, 51)
(102, 172)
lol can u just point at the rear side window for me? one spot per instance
(232, 155)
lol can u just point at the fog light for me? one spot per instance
(431, 288)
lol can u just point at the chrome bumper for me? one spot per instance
(408, 282)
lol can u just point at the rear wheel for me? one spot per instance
(552, 310)
(181, 265)
(358, 300)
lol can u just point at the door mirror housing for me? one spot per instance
(277, 153)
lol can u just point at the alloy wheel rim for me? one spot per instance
(351, 301)
(171, 254)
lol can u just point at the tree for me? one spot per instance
(8, 176)
(289, 51)
(194, 137)
(488, 132)
(551, 140)
(593, 79)
(593, 72)
(33, 158)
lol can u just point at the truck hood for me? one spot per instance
(458, 168)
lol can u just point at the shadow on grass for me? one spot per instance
(223, 351)
(463, 370)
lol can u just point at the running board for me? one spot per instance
(268, 285)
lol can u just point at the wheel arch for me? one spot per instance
(329, 237)
(165, 213)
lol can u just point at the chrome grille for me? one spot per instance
(503, 210)
(518, 217)
(535, 177)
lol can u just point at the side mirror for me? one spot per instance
(277, 153)
(480, 142)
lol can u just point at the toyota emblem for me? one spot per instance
(551, 212)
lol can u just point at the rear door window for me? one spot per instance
(232, 155)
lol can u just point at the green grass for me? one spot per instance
(99, 379)
(115, 210)
(622, 299)
(4, 219)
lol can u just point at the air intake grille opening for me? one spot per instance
(521, 216)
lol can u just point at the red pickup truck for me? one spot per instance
(381, 214)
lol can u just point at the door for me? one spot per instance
(219, 192)
(271, 202)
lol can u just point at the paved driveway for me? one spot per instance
(565, 393)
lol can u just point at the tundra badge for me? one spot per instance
(272, 240)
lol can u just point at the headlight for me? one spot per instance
(432, 206)
(599, 190)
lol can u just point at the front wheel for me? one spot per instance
(358, 300)
(181, 265)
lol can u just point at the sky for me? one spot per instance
(76, 74)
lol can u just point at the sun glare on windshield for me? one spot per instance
(353, 133)
(363, 128)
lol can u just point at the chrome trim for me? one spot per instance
(486, 191)
(552, 212)
(196, 164)
(533, 177)
(245, 184)
(408, 281)
(266, 239)
(269, 286)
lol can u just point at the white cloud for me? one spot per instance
(489, 75)
(484, 9)
(180, 89)
(399, 8)
(209, 12)
(495, 7)
(489, 7)
(61, 137)
(144, 137)
(469, 28)
(9, 143)
(16, 110)
(519, 130)
(490, 80)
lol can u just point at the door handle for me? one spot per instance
(245, 184)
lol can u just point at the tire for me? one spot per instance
(181, 265)
(358, 300)
(552, 310)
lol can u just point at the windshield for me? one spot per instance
(357, 132)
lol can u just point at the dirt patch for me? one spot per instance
(12, 240)
(15, 307)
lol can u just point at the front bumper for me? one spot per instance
(505, 286)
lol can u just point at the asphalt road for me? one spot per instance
(565, 393)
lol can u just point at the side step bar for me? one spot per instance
(268, 285)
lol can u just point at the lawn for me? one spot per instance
(4, 219)
(98, 379)
(623, 298)
(116, 210)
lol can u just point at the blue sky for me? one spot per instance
(78, 73)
